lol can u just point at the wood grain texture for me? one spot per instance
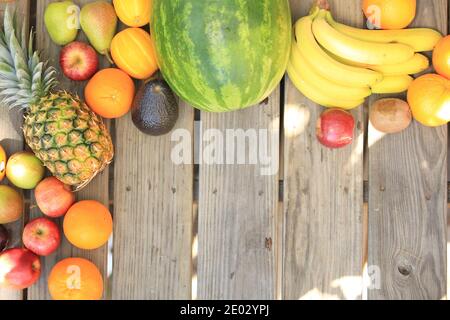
(153, 214)
(237, 211)
(407, 200)
(11, 139)
(323, 197)
(98, 189)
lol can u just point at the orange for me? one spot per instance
(441, 57)
(390, 14)
(2, 163)
(110, 93)
(88, 224)
(75, 279)
(429, 99)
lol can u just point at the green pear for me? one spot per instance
(61, 21)
(98, 20)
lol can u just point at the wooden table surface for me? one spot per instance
(365, 222)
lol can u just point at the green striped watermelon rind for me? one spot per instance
(222, 55)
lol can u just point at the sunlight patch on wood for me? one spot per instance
(195, 247)
(355, 157)
(350, 288)
(316, 294)
(296, 119)
(194, 287)
(374, 136)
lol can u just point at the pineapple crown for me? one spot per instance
(24, 78)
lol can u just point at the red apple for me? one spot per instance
(78, 61)
(53, 197)
(334, 128)
(19, 268)
(41, 236)
(4, 238)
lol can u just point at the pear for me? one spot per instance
(98, 20)
(61, 21)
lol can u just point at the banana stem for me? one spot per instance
(314, 11)
(322, 4)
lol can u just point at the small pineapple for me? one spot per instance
(71, 140)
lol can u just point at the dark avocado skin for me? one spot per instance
(155, 108)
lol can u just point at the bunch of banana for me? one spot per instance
(336, 65)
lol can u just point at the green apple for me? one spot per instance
(62, 21)
(24, 170)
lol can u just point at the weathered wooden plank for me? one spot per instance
(323, 195)
(153, 214)
(407, 200)
(238, 206)
(156, 195)
(97, 190)
(11, 140)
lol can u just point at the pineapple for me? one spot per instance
(71, 140)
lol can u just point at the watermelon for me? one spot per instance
(222, 55)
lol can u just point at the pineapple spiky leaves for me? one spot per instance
(71, 140)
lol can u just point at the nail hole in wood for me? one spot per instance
(405, 270)
(268, 243)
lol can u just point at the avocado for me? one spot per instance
(155, 108)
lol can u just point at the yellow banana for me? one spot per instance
(306, 71)
(325, 65)
(319, 95)
(347, 62)
(420, 39)
(416, 64)
(360, 51)
(393, 84)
